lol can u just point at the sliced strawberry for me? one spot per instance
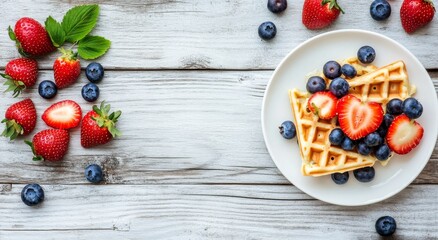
(404, 134)
(358, 119)
(323, 104)
(63, 115)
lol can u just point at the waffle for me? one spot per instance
(318, 156)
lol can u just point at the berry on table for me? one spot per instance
(366, 54)
(339, 87)
(288, 130)
(336, 136)
(20, 119)
(412, 108)
(386, 226)
(267, 30)
(332, 69)
(20, 73)
(49, 144)
(340, 178)
(90, 92)
(47, 89)
(32, 194)
(380, 10)
(277, 6)
(94, 173)
(348, 70)
(315, 84)
(318, 14)
(94, 72)
(415, 14)
(382, 152)
(394, 107)
(365, 174)
(66, 69)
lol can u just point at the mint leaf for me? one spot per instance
(55, 31)
(79, 21)
(92, 47)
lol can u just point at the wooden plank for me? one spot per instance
(179, 127)
(198, 34)
(208, 212)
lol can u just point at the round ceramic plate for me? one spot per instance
(291, 73)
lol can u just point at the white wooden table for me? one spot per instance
(189, 77)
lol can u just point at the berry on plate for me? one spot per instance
(63, 115)
(340, 178)
(348, 70)
(94, 72)
(348, 144)
(415, 14)
(336, 136)
(387, 120)
(339, 87)
(315, 84)
(277, 6)
(386, 226)
(331, 70)
(412, 108)
(366, 54)
(47, 89)
(319, 14)
(365, 174)
(323, 104)
(32, 194)
(373, 139)
(20, 73)
(288, 130)
(394, 107)
(404, 134)
(363, 149)
(382, 152)
(66, 69)
(267, 30)
(20, 119)
(49, 145)
(90, 92)
(380, 10)
(94, 173)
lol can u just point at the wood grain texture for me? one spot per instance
(179, 127)
(199, 34)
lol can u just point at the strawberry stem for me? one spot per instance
(332, 4)
(12, 129)
(106, 119)
(35, 156)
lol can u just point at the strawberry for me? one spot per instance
(20, 74)
(31, 38)
(50, 144)
(98, 126)
(63, 115)
(415, 14)
(323, 104)
(404, 134)
(20, 119)
(319, 14)
(358, 119)
(66, 68)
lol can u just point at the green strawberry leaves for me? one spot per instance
(107, 121)
(92, 47)
(56, 32)
(79, 21)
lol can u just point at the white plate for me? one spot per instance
(310, 56)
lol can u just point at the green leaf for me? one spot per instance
(92, 47)
(56, 33)
(11, 34)
(79, 21)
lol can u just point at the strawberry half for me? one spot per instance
(415, 14)
(20, 73)
(66, 68)
(323, 104)
(63, 115)
(319, 14)
(20, 119)
(358, 119)
(404, 134)
(50, 144)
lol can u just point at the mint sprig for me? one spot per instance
(92, 47)
(79, 21)
(56, 32)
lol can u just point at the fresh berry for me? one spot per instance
(383, 129)
(348, 144)
(319, 14)
(363, 149)
(386, 226)
(50, 144)
(394, 107)
(94, 173)
(415, 14)
(323, 104)
(339, 87)
(32, 194)
(288, 130)
(31, 38)
(336, 136)
(382, 152)
(412, 108)
(47, 89)
(267, 30)
(366, 54)
(20, 119)
(20, 73)
(332, 70)
(348, 70)
(380, 10)
(358, 119)
(99, 126)
(365, 174)
(277, 6)
(90, 92)
(63, 115)
(373, 139)
(404, 134)
(66, 69)
(340, 178)
(315, 84)
(94, 72)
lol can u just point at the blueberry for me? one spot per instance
(365, 174)
(277, 6)
(32, 194)
(380, 10)
(387, 120)
(394, 107)
(382, 130)
(94, 72)
(363, 149)
(382, 152)
(315, 84)
(90, 92)
(412, 108)
(288, 130)
(373, 139)
(386, 226)
(340, 178)
(347, 144)
(332, 69)
(336, 136)
(366, 54)
(339, 87)
(348, 70)
(267, 30)
(47, 89)
(94, 173)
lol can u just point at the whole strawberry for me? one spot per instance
(415, 14)
(319, 14)
(31, 38)
(20, 74)
(67, 69)
(50, 144)
(20, 119)
(98, 126)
